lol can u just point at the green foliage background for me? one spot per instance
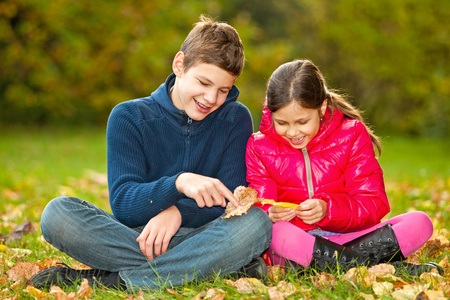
(71, 61)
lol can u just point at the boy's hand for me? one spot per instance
(154, 239)
(277, 214)
(312, 210)
(206, 191)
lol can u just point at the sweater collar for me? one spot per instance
(331, 120)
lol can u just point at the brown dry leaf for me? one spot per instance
(431, 278)
(246, 197)
(360, 275)
(140, 296)
(276, 272)
(287, 288)
(367, 296)
(10, 195)
(382, 270)
(429, 295)
(382, 288)
(85, 291)
(437, 244)
(324, 279)
(213, 294)
(444, 263)
(60, 294)
(407, 292)
(22, 270)
(173, 292)
(248, 285)
(275, 294)
(18, 231)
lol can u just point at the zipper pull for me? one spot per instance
(189, 120)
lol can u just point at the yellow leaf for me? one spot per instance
(36, 293)
(382, 288)
(280, 204)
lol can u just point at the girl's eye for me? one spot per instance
(223, 91)
(202, 83)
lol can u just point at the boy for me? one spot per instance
(173, 159)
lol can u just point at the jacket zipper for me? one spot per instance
(188, 144)
(308, 173)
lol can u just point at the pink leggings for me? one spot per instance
(412, 230)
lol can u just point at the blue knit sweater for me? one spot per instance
(150, 142)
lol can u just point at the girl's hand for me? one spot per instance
(277, 214)
(312, 211)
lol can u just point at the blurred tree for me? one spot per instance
(72, 61)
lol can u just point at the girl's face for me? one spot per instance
(201, 89)
(296, 124)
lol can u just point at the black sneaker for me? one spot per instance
(416, 269)
(64, 276)
(257, 268)
(60, 275)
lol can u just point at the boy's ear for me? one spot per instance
(178, 63)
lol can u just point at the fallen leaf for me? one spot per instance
(429, 295)
(382, 270)
(382, 288)
(407, 292)
(17, 232)
(360, 275)
(324, 279)
(431, 278)
(248, 285)
(287, 288)
(276, 272)
(275, 294)
(36, 293)
(22, 270)
(367, 296)
(85, 290)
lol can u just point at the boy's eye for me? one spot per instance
(202, 83)
(223, 91)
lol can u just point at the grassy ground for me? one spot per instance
(38, 164)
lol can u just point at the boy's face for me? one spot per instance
(200, 90)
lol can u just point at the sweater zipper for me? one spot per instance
(308, 173)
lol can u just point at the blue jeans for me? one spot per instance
(97, 239)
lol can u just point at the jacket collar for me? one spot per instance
(331, 120)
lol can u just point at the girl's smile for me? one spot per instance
(296, 124)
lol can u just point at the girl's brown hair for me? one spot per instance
(214, 43)
(302, 81)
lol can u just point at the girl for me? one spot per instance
(314, 149)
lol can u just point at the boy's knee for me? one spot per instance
(53, 216)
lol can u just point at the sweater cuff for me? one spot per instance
(187, 210)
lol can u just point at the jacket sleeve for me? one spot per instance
(257, 174)
(133, 200)
(363, 203)
(231, 173)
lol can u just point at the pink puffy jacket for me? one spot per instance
(338, 166)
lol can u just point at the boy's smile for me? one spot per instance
(200, 90)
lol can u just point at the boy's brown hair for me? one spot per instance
(214, 43)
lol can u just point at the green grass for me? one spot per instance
(38, 164)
